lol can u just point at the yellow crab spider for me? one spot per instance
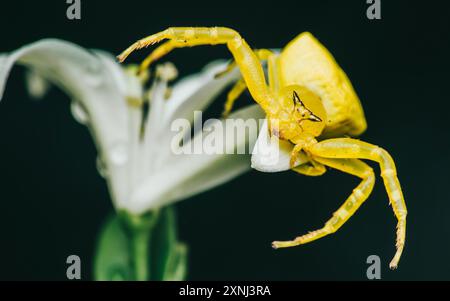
(310, 102)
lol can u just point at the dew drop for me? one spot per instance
(78, 112)
(119, 153)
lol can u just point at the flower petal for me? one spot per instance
(194, 173)
(154, 148)
(271, 154)
(191, 93)
(130, 85)
(197, 91)
(86, 79)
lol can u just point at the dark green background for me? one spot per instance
(53, 202)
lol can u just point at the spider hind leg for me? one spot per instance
(353, 202)
(352, 148)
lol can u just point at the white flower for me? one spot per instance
(141, 171)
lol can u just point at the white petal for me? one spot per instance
(153, 146)
(272, 154)
(192, 174)
(114, 69)
(198, 91)
(129, 84)
(194, 92)
(85, 78)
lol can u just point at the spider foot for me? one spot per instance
(300, 240)
(399, 245)
(145, 42)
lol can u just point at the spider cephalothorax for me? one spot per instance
(308, 96)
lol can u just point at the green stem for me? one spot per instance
(140, 242)
(140, 229)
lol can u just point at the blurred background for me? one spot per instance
(53, 202)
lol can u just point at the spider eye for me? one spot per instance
(315, 118)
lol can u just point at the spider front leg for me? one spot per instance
(240, 86)
(354, 201)
(245, 58)
(156, 54)
(352, 148)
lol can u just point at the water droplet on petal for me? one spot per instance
(37, 85)
(119, 153)
(78, 112)
(101, 167)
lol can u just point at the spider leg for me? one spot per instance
(240, 86)
(352, 148)
(156, 54)
(231, 65)
(312, 169)
(233, 94)
(301, 142)
(297, 148)
(359, 195)
(245, 58)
